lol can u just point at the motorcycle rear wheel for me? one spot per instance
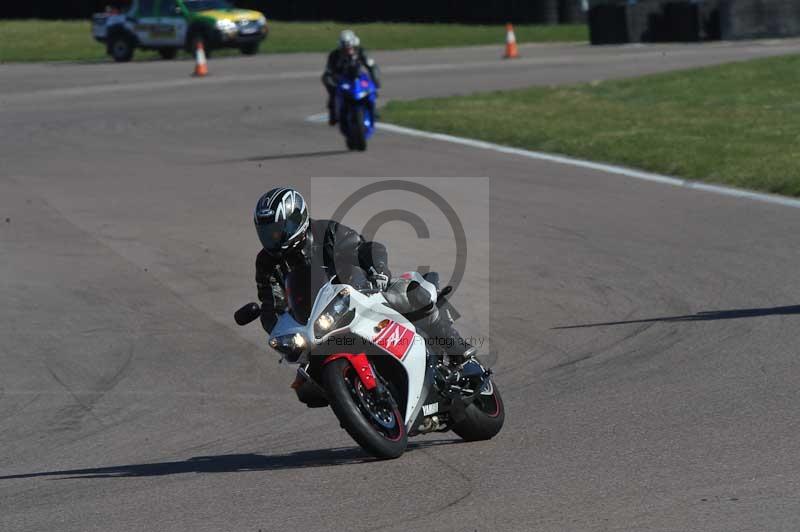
(371, 421)
(483, 419)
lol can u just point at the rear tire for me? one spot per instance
(483, 418)
(346, 394)
(120, 47)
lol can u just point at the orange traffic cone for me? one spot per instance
(511, 43)
(201, 66)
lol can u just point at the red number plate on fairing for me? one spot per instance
(395, 339)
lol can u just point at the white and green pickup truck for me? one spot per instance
(169, 25)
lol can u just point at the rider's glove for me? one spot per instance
(379, 280)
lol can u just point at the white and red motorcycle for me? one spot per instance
(367, 361)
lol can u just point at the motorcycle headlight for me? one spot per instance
(291, 346)
(335, 316)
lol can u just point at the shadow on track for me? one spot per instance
(262, 158)
(709, 315)
(229, 463)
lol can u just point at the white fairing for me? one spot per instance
(398, 339)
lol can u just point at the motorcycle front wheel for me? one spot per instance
(370, 420)
(358, 134)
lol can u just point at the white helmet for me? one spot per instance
(348, 39)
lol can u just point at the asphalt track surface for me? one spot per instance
(130, 401)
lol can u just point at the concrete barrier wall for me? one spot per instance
(654, 21)
(747, 19)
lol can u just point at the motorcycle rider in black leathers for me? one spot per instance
(348, 53)
(290, 239)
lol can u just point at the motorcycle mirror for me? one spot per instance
(247, 314)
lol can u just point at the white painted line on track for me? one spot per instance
(580, 163)
(317, 118)
(212, 79)
(647, 53)
(92, 90)
(189, 82)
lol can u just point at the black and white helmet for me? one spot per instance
(281, 219)
(348, 39)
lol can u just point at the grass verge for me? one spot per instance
(46, 40)
(736, 124)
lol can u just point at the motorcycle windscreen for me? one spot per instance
(302, 286)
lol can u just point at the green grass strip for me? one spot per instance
(46, 40)
(736, 124)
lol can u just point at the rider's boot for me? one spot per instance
(308, 392)
(439, 328)
(442, 332)
(459, 352)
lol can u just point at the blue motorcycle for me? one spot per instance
(355, 108)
